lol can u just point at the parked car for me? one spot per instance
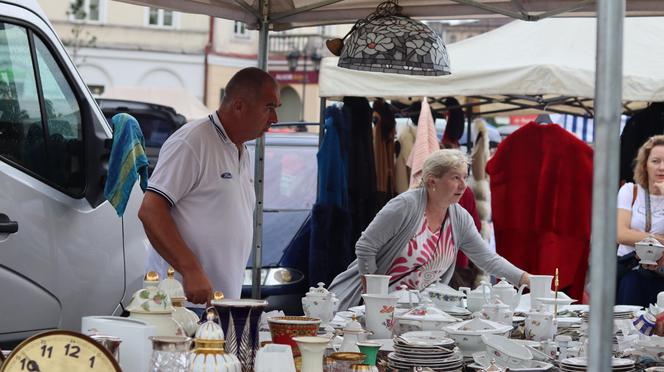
(157, 122)
(290, 179)
(64, 253)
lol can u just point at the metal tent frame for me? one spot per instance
(283, 14)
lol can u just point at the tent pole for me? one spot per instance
(608, 94)
(259, 165)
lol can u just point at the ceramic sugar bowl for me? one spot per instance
(478, 297)
(540, 325)
(320, 303)
(154, 306)
(497, 311)
(208, 354)
(173, 288)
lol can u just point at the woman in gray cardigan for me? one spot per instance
(416, 236)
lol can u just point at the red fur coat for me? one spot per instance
(541, 192)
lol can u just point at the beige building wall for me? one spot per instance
(125, 26)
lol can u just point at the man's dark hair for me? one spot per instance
(246, 83)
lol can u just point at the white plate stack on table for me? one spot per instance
(581, 364)
(425, 349)
(621, 313)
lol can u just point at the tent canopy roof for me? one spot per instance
(285, 14)
(553, 58)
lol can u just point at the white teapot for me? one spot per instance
(320, 303)
(507, 293)
(476, 298)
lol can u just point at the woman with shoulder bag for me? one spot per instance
(640, 215)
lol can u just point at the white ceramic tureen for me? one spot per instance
(468, 334)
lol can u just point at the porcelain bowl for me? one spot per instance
(284, 328)
(649, 253)
(505, 351)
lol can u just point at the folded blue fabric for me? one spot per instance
(128, 162)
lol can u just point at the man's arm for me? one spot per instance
(155, 214)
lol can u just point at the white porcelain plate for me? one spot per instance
(425, 338)
(560, 301)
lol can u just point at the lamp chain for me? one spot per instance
(389, 8)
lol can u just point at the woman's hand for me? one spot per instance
(525, 279)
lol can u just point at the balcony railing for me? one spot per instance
(285, 43)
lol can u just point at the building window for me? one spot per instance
(161, 17)
(240, 30)
(85, 10)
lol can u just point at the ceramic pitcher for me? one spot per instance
(540, 286)
(379, 314)
(507, 293)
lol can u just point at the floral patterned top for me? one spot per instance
(425, 258)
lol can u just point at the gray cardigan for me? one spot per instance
(391, 230)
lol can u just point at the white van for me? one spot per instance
(64, 253)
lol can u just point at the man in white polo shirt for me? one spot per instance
(198, 210)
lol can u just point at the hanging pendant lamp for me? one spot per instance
(387, 41)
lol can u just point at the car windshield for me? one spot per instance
(290, 177)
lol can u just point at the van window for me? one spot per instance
(63, 118)
(50, 147)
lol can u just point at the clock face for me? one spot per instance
(60, 351)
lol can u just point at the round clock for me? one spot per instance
(60, 351)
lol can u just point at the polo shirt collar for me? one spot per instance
(216, 121)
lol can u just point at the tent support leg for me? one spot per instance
(608, 94)
(259, 166)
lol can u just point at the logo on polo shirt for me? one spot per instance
(226, 175)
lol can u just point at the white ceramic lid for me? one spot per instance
(476, 326)
(428, 312)
(503, 283)
(353, 326)
(171, 286)
(210, 331)
(650, 241)
(150, 300)
(444, 289)
(318, 292)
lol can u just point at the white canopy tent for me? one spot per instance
(283, 14)
(553, 58)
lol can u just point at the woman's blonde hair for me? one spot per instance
(641, 161)
(442, 161)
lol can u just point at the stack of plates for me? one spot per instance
(619, 312)
(581, 364)
(425, 349)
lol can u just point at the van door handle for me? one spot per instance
(6, 225)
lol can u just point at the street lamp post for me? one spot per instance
(293, 59)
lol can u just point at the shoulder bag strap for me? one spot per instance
(648, 216)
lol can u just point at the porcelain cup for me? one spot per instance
(379, 315)
(377, 284)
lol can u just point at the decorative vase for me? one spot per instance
(312, 349)
(370, 349)
(239, 321)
